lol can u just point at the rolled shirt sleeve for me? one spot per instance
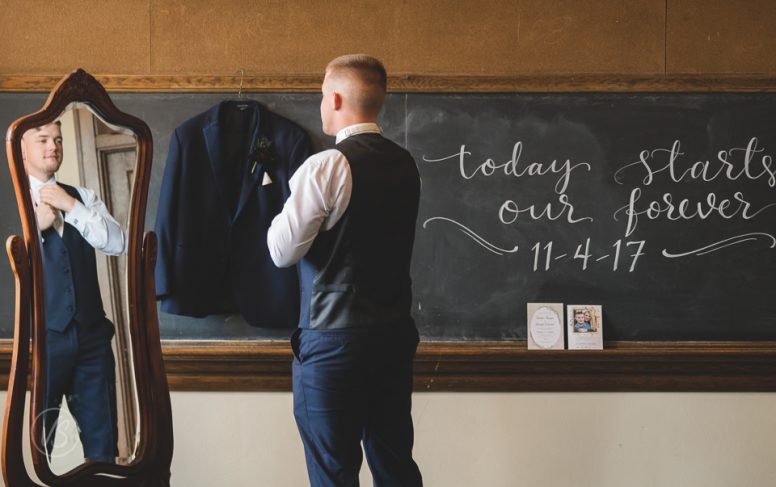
(320, 194)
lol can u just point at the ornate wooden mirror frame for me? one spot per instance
(151, 464)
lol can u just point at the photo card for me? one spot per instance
(585, 326)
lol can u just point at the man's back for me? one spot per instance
(359, 270)
(351, 220)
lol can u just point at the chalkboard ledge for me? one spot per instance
(499, 366)
(489, 367)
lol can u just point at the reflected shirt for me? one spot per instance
(320, 194)
(90, 218)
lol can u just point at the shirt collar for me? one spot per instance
(36, 183)
(359, 128)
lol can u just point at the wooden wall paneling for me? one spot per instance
(718, 36)
(449, 37)
(44, 37)
(589, 36)
(510, 38)
(498, 37)
(501, 38)
(262, 38)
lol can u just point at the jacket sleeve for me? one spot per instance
(166, 218)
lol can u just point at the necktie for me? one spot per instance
(59, 222)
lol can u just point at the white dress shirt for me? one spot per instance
(320, 194)
(90, 218)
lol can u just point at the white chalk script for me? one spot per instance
(471, 234)
(512, 167)
(756, 165)
(752, 165)
(723, 243)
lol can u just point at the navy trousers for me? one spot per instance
(352, 387)
(81, 368)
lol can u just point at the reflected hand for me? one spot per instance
(45, 215)
(54, 195)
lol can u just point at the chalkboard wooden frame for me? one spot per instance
(469, 366)
(501, 367)
(490, 367)
(412, 83)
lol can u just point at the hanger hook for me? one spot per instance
(239, 90)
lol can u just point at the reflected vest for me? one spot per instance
(357, 274)
(70, 277)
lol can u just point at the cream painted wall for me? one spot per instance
(501, 440)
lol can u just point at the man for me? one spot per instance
(79, 361)
(350, 223)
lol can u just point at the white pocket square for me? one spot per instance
(267, 180)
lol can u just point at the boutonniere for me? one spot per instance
(261, 153)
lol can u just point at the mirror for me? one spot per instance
(100, 401)
(91, 406)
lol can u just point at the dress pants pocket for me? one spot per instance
(295, 342)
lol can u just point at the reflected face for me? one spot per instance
(42, 151)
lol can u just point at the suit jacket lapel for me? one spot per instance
(217, 163)
(253, 175)
(221, 167)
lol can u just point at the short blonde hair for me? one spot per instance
(370, 73)
(40, 127)
(369, 68)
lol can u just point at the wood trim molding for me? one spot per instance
(489, 367)
(499, 366)
(411, 83)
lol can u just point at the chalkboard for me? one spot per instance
(527, 198)
(12, 106)
(549, 198)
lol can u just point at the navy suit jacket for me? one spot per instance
(215, 208)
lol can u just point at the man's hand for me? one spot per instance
(54, 195)
(45, 215)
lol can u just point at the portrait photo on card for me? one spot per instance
(586, 319)
(585, 326)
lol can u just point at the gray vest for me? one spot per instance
(357, 274)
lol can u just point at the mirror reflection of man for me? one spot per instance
(73, 222)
